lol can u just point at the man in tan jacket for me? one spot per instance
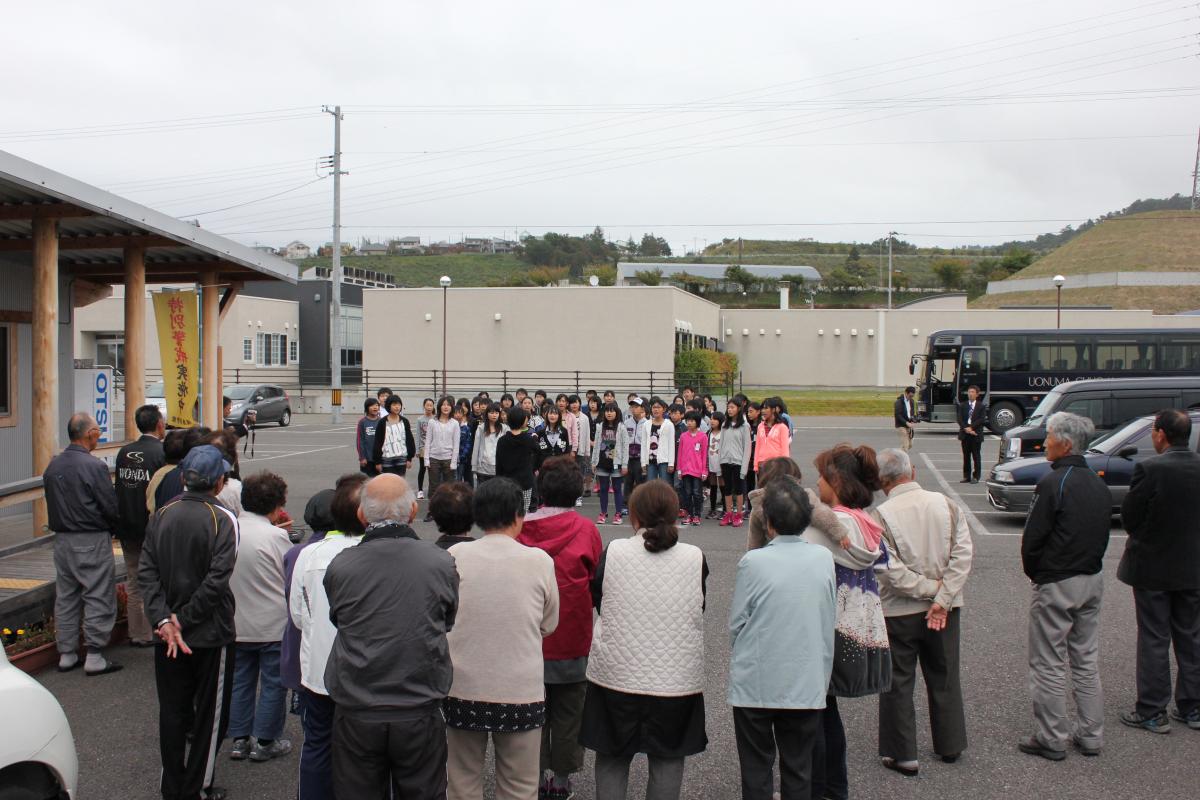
(928, 560)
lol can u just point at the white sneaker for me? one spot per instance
(420, 494)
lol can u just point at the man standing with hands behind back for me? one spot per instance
(972, 416)
(905, 417)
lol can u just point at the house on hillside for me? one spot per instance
(473, 244)
(405, 245)
(296, 251)
(503, 246)
(265, 248)
(368, 248)
(441, 248)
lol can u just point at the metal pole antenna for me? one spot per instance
(891, 234)
(335, 292)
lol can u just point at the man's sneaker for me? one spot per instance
(1033, 747)
(603, 518)
(1192, 720)
(1156, 724)
(1085, 750)
(277, 748)
(240, 749)
(420, 494)
(695, 520)
(617, 519)
(737, 520)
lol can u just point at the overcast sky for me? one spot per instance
(695, 120)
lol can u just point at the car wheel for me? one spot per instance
(286, 418)
(1004, 416)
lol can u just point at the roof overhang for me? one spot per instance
(95, 227)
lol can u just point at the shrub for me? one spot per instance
(709, 371)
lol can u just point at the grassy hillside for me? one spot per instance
(1157, 241)
(465, 269)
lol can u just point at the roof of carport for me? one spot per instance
(95, 227)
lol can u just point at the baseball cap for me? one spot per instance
(206, 462)
(637, 401)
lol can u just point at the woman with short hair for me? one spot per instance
(645, 673)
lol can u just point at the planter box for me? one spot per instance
(34, 661)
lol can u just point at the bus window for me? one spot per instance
(1176, 355)
(1008, 353)
(1124, 355)
(1052, 355)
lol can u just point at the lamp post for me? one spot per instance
(445, 282)
(1059, 280)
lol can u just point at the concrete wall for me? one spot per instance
(556, 329)
(803, 347)
(108, 317)
(1093, 279)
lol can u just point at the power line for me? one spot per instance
(251, 202)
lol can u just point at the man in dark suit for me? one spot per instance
(905, 417)
(1161, 514)
(972, 416)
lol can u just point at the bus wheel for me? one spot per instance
(1004, 416)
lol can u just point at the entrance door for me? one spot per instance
(973, 370)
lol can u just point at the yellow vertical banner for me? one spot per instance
(178, 324)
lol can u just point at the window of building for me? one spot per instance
(8, 372)
(248, 350)
(110, 352)
(271, 349)
(351, 358)
(293, 351)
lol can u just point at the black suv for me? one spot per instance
(1107, 402)
(269, 403)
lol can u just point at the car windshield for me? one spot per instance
(155, 390)
(236, 393)
(1044, 408)
(1110, 442)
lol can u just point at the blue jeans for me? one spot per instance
(256, 675)
(316, 757)
(655, 472)
(693, 495)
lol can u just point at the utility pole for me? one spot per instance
(335, 293)
(891, 235)
(1196, 176)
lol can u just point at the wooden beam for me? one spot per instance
(44, 376)
(135, 335)
(114, 242)
(235, 287)
(19, 317)
(210, 322)
(11, 212)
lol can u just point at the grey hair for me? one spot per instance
(894, 464)
(78, 425)
(1077, 430)
(378, 509)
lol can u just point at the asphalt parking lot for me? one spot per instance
(114, 717)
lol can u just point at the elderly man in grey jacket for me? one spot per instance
(929, 558)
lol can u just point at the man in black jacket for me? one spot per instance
(972, 416)
(1161, 514)
(905, 417)
(1062, 551)
(136, 464)
(393, 599)
(187, 560)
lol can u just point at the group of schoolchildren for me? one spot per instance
(695, 447)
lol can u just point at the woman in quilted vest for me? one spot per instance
(645, 674)
(862, 663)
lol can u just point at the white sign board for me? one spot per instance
(94, 395)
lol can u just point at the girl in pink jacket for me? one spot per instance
(774, 439)
(691, 462)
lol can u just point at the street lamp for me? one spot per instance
(1059, 280)
(445, 282)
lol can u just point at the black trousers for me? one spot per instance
(831, 777)
(1165, 619)
(760, 733)
(972, 452)
(193, 700)
(937, 652)
(374, 760)
(634, 477)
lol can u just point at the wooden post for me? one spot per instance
(135, 335)
(210, 385)
(44, 374)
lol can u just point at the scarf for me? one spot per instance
(872, 531)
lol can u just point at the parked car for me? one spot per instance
(1108, 402)
(37, 750)
(1010, 485)
(269, 403)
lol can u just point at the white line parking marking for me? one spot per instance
(301, 452)
(972, 520)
